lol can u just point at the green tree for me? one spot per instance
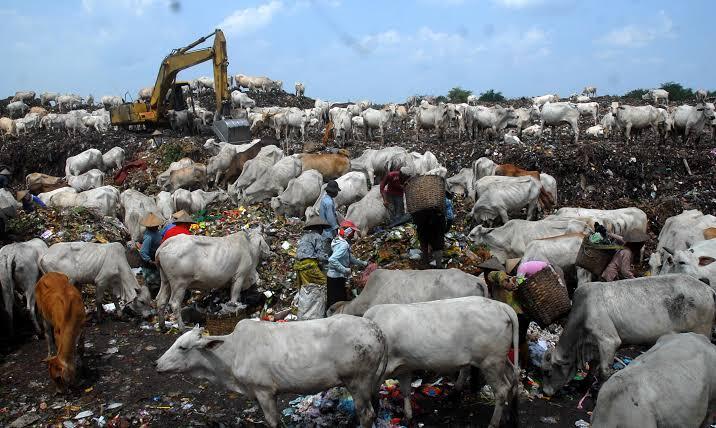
(635, 93)
(492, 96)
(441, 99)
(677, 92)
(458, 95)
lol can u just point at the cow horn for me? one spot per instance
(667, 250)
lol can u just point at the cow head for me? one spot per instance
(258, 241)
(556, 372)
(479, 234)
(706, 110)
(61, 373)
(190, 353)
(699, 267)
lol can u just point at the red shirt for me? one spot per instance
(391, 184)
(178, 229)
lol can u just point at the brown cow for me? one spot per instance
(237, 162)
(62, 311)
(41, 111)
(509, 170)
(710, 233)
(37, 183)
(330, 165)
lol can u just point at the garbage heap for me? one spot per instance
(67, 225)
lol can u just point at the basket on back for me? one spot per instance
(425, 192)
(544, 297)
(219, 325)
(595, 257)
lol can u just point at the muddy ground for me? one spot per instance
(607, 173)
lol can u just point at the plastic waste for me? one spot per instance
(537, 350)
(85, 414)
(582, 424)
(310, 301)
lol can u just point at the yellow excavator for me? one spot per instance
(154, 112)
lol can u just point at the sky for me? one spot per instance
(363, 49)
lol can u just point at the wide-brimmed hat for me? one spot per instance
(182, 217)
(635, 237)
(491, 264)
(151, 220)
(315, 221)
(157, 132)
(332, 187)
(511, 264)
(5, 171)
(21, 194)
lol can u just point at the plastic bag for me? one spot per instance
(311, 302)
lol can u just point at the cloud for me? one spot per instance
(244, 21)
(138, 7)
(518, 4)
(637, 36)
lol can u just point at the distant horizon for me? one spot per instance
(345, 51)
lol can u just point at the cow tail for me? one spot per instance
(6, 277)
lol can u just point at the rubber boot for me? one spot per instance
(424, 257)
(438, 257)
(524, 355)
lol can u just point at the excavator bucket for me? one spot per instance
(232, 131)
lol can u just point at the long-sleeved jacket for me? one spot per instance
(152, 239)
(312, 245)
(327, 211)
(341, 259)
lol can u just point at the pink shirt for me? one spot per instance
(527, 269)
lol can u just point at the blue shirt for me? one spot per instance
(167, 227)
(327, 211)
(29, 206)
(341, 259)
(449, 211)
(152, 239)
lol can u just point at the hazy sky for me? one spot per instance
(351, 49)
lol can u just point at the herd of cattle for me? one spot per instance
(382, 332)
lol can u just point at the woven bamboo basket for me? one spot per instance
(425, 192)
(594, 257)
(544, 297)
(218, 325)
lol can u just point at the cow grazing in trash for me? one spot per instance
(638, 311)
(104, 265)
(411, 286)
(19, 272)
(492, 330)
(673, 384)
(204, 262)
(263, 359)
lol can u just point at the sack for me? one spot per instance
(311, 302)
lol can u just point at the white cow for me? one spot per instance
(197, 200)
(241, 100)
(637, 118)
(511, 239)
(17, 109)
(679, 233)
(47, 97)
(497, 196)
(596, 131)
(368, 213)
(608, 123)
(432, 117)
(589, 109)
(679, 397)
(113, 159)
(483, 167)
(165, 204)
(494, 119)
(19, 273)
(376, 119)
(689, 121)
(135, 207)
(104, 265)
(532, 131)
(83, 162)
(375, 162)
(619, 221)
(216, 262)
(698, 261)
(353, 185)
(300, 89)
(300, 193)
(590, 91)
(656, 95)
(414, 345)
(264, 359)
(163, 178)
(558, 113)
(462, 183)
(410, 286)
(472, 100)
(91, 179)
(342, 125)
(358, 127)
(523, 118)
(109, 101)
(145, 94)
(543, 99)
(273, 183)
(560, 251)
